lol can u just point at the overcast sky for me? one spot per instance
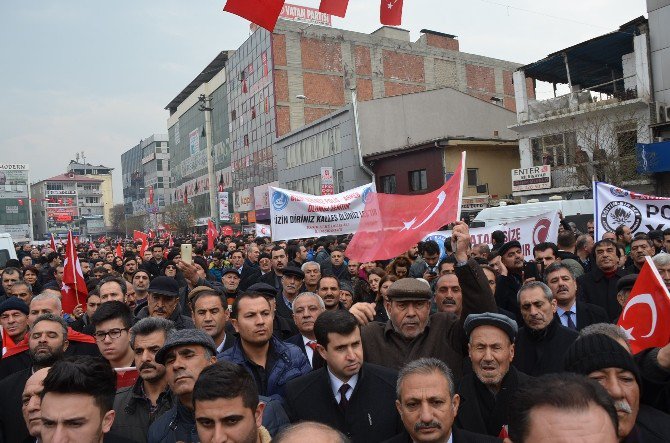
(94, 76)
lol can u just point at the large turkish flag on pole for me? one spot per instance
(334, 7)
(74, 290)
(391, 12)
(262, 12)
(137, 235)
(644, 319)
(212, 233)
(391, 224)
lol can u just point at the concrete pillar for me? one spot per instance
(520, 96)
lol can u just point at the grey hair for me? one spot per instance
(290, 430)
(608, 329)
(310, 263)
(250, 246)
(661, 259)
(149, 325)
(426, 366)
(48, 296)
(54, 318)
(532, 285)
(26, 284)
(319, 300)
(207, 353)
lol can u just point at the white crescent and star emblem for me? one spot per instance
(410, 224)
(646, 299)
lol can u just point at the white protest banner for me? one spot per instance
(528, 231)
(224, 215)
(297, 215)
(263, 230)
(614, 207)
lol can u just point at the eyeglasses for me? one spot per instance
(113, 334)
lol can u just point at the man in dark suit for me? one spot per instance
(306, 309)
(572, 313)
(428, 405)
(47, 343)
(210, 313)
(352, 396)
(291, 282)
(32, 405)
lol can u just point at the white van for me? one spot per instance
(7, 250)
(510, 213)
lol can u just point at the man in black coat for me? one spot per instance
(507, 285)
(291, 282)
(543, 341)
(47, 344)
(599, 286)
(428, 405)
(487, 393)
(279, 262)
(352, 396)
(572, 313)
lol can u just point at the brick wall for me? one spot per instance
(279, 49)
(323, 89)
(392, 89)
(404, 67)
(480, 78)
(442, 42)
(321, 55)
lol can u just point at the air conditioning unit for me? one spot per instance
(483, 189)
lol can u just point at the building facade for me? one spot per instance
(16, 201)
(99, 172)
(68, 202)
(188, 139)
(592, 131)
(145, 171)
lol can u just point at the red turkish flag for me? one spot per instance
(211, 235)
(262, 12)
(152, 234)
(151, 195)
(20, 201)
(74, 290)
(53, 242)
(170, 242)
(391, 12)
(137, 235)
(119, 251)
(644, 318)
(393, 223)
(334, 7)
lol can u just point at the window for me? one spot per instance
(473, 175)
(418, 181)
(159, 165)
(233, 114)
(554, 150)
(340, 181)
(626, 139)
(388, 184)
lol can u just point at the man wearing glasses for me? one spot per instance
(112, 323)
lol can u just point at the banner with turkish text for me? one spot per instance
(614, 207)
(527, 231)
(297, 215)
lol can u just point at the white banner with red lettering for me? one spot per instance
(528, 231)
(263, 230)
(297, 215)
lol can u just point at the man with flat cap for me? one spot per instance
(411, 332)
(291, 282)
(185, 354)
(623, 288)
(231, 282)
(163, 302)
(486, 393)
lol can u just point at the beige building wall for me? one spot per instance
(493, 160)
(107, 198)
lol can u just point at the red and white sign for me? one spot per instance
(529, 179)
(305, 14)
(327, 181)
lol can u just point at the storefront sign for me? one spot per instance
(530, 179)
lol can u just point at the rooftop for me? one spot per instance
(72, 178)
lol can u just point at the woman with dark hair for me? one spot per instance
(31, 276)
(118, 265)
(399, 267)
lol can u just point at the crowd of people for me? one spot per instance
(292, 341)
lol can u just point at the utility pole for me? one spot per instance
(206, 106)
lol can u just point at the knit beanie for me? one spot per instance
(597, 351)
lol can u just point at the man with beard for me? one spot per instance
(599, 285)
(487, 393)
(163, 301)
(271, 362)
(312, 271)
(604, 360)
(140, 283)
(543, 341)
(306, 309)
(279, 262)
(328, 289)
(31, 404)
(291, 282)
(47, 344)
(572, 313)
(138, 406)
(185, 354)
(129, 269)
(226, 406)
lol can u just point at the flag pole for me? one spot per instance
(74, 265)
(460, 191)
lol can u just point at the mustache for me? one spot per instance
(433, 424)
(622, 406)
(147, 366)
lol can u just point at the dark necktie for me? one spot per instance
(343, 397)
(571, 324)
